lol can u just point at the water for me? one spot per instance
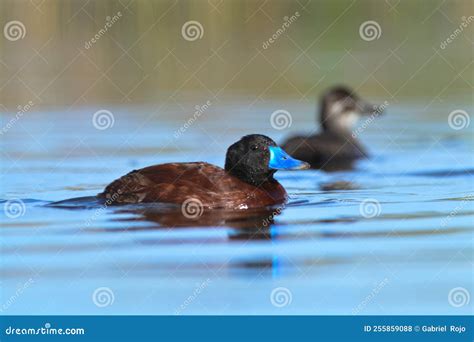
(328, 257)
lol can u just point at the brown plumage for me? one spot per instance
(177, 182)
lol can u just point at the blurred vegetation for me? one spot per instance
(143, 57)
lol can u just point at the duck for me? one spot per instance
(337, 146)
(246, 181)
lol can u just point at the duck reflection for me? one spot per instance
(237, 226)
(338, 186)
(244, 224)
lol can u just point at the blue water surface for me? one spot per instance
(392, 236)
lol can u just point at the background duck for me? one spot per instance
(335, 147)
(246, 182)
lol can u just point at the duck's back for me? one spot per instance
(176, 182)
(325, 150)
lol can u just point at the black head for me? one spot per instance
(341, 108)
(255, 158)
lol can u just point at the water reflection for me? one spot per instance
(339, 185)
(250, 224)
(245, 224)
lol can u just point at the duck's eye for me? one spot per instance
(254, 147)
(285, 158)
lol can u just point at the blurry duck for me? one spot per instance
(336, 147)
(246, 182)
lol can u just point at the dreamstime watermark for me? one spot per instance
(103, 119)
(192, 30)
(370, 208)
(46, 330)
(21, 111)
(458, 297)
(192, 208)
(14, 30)
(379, 110)
(200, 287)
(14, 208)
(268, 220)
(458, 119)
(109, 22)
(281, 119)
(464, 24)
(281, 297)
(375, 291)
(19, 291)
(103, 296)
(370, 30)
(199, 110)
(99, 211)
(456, 210)
(286, 24)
